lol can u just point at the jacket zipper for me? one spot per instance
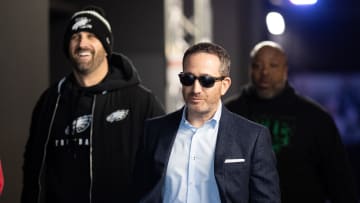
(45, 147)
(91, 148)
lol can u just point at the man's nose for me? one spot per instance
(197, 86)
(82, 41)
(265, 70)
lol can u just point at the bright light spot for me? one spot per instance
(303, 2)
(275, 23)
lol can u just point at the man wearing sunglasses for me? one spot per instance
(203, 153)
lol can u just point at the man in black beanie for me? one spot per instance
(85, 129)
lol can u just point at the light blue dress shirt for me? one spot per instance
(190, 172)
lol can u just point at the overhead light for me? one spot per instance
(275, 23)
(303, 2)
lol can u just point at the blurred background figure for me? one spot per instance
(312, 162)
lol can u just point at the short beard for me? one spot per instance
(82, 69)
(270, 94)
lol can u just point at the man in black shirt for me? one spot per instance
(312, 163)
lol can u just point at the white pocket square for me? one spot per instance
(234, 161)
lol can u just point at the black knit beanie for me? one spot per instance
(90, 19)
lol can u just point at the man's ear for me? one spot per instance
(225, 85)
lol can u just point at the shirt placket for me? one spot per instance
(191, 191)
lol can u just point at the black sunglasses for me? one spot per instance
(188, 79)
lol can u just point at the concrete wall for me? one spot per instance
(24, 74)
(238, 25)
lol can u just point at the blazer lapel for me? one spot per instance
(222, 140)
(167, 137)
(220, 151)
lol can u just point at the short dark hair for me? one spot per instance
(211, 48)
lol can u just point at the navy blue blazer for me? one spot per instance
(254, 179)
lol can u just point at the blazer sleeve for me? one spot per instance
(264, 179)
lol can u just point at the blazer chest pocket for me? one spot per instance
(236, 172)
(235, 166)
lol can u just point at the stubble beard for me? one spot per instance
(199, 109)
(271, 92)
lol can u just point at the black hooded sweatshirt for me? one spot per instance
(83, 141)
(312, 162)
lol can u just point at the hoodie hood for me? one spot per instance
(122, 73)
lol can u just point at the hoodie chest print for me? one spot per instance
(282, 129)
(82, 123)
(74, 133)
(117, 115)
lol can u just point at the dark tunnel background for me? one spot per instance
(321, 40)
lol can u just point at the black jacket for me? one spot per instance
(312, 162)
(120, 107)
